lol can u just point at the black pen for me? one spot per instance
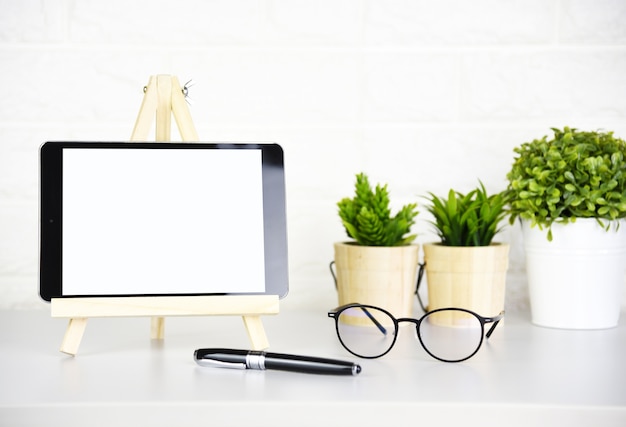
(252, 359)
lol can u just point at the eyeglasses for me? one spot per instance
(447, 334)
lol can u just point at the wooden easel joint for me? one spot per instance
(164, 97)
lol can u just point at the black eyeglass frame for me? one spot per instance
(334, 313)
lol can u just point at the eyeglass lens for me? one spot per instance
(366, 332)
(449, 335)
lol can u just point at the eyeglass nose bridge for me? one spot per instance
(416, 322)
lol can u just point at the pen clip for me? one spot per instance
(212, 363)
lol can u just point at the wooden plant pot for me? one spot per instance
(376, 275)
(473, 278)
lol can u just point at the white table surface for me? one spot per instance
(525, 375)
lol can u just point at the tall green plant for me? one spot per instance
(575, 174)
(470, 219)
(367, 216)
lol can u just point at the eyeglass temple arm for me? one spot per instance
(495, 321)
(380, 327)
(420, 275)
(332, 272)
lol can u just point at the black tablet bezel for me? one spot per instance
(51, 215)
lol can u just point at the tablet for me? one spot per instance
(156, 219)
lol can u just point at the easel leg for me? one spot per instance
(157, 328)
(146, 112)
(256, 332)
(181, 113)
(73, 335)
(164, 109)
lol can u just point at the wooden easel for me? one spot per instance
(164, 95)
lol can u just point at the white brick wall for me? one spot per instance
(421, 94)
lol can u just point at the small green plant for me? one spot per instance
(573, 175)
(470, 219)
(367, 217)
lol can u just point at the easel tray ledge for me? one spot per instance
(202, 305)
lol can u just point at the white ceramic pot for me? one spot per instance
(576, 280)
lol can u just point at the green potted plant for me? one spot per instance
(569, 193)
(466, 268)
(379, 266)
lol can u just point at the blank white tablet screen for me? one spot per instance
(162, 221)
